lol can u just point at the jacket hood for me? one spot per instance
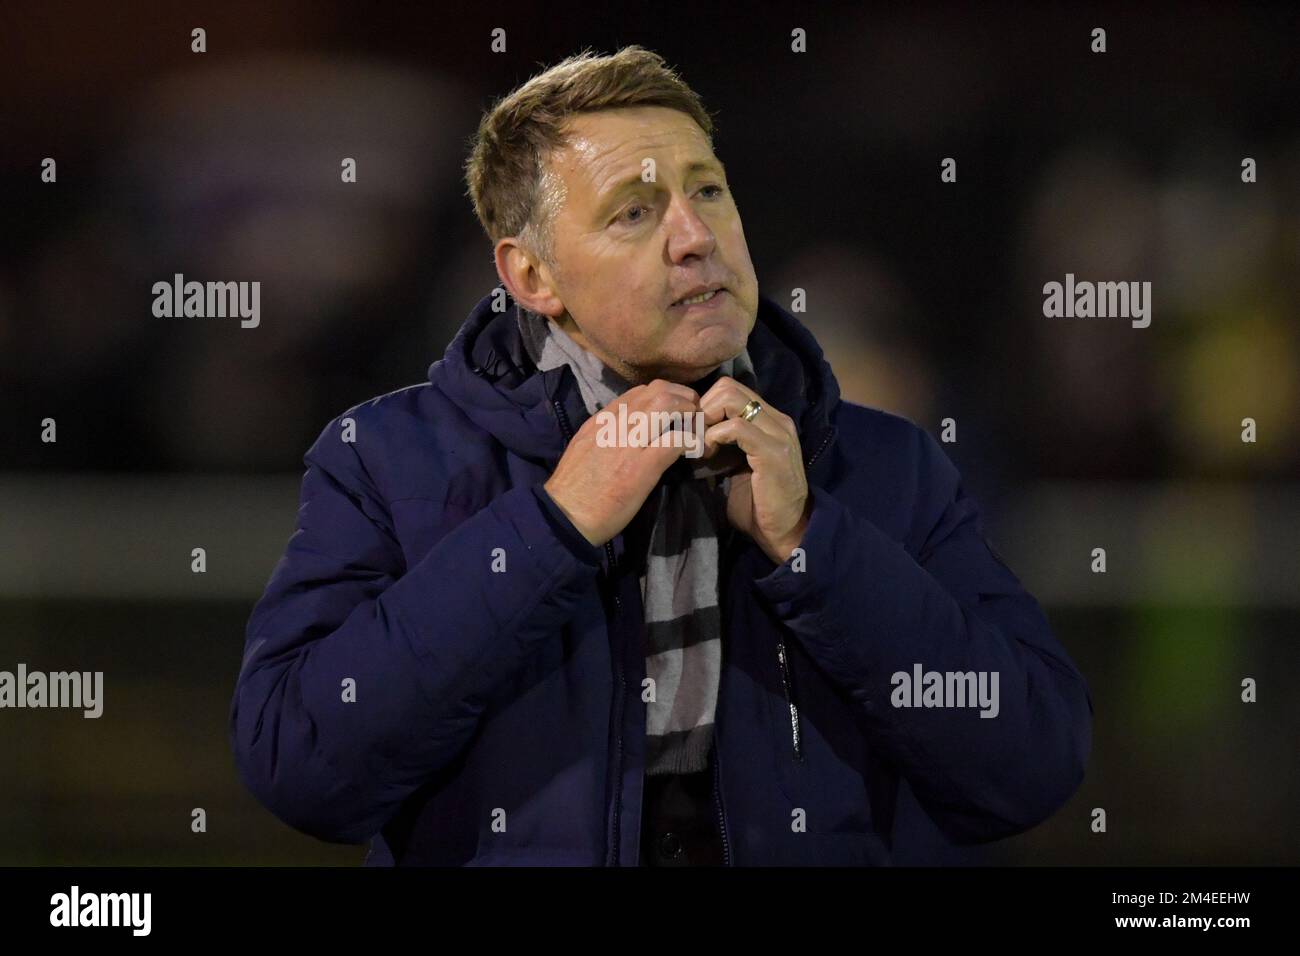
(488, 374)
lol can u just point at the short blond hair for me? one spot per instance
(514, 190)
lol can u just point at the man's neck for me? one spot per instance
(638, 375)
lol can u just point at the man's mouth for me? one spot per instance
(699, 297)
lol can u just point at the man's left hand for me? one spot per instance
(770, 503)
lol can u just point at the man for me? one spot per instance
(505, 633)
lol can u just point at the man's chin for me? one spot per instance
(711, 348)
(717, 342)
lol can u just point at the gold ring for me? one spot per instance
(751, 410)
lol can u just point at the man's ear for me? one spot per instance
(529, 282)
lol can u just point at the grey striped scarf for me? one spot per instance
(679, 585)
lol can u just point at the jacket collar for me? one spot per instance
(487, 373)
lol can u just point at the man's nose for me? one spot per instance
(688, 233)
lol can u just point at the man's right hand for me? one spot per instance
(601, 489)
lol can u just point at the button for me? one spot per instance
(670, 846)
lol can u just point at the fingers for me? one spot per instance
(657, 396)
(664, 406)
(646, 396)
(659, 423)
(727, 400)
(670, 406)
(752, 440)
(726, 383)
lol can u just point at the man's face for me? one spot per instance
(627, 250)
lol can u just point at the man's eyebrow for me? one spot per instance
(700, 165)
(704, 165)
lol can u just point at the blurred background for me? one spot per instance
(927, 296)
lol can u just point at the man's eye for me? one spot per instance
(625, 218)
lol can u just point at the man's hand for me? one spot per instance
(601, 489)
(771, 502)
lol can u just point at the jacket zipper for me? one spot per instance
(794, 713)
(722, 815)
(789, 700)
(786, 684)
(830, 433)
(567, 430)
